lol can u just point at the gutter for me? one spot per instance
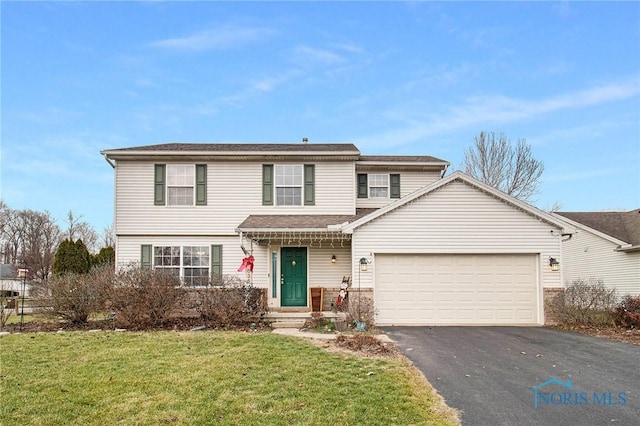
(108, 160)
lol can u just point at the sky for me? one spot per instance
(395, 78)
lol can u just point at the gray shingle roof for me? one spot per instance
(624, 226)
(244, 147)
(303, 221)
(401, 158)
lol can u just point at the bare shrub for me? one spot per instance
(585, 302)
(364, 343)
(143, 298)
(73, 297)
(5, 310)
(627, 312)
(230, 301)
(361, 311)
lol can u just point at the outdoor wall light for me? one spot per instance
(333, 258)
(363, 264)
(555, 265)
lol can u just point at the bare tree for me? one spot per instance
(10, 234)
(108, 237)
(40, 238)
(78, 229)
(493, 160)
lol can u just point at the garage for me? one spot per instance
(456, 289)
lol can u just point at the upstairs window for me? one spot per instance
(378, 186)
(180, 184)
(288, 184)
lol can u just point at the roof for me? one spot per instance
(623, 226)
(402, 158)
(274, 152)
(463, 177)
(298, 222)
(242, 147)
(8, 271)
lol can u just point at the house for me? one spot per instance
(427, 249)
(11, 282)
(605, 247)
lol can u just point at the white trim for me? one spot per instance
(623, 244)
(459, 176)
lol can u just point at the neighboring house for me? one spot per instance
(10, 284)
(606, 247)
(437, 250)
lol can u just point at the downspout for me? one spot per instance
(111, 163)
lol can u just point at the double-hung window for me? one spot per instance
(180, 184)
(379, 186)
(288, 185)
(190, 263)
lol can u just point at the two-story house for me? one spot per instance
(427, 249)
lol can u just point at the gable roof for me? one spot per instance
(624, 227)
(462, 177)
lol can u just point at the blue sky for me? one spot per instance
(391, 77)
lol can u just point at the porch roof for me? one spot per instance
(298, 222)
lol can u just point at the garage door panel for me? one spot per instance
(456, 289)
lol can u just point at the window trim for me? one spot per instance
(208, 265)
(370, 186)
(198, 186)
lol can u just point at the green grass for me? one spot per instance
(202, 378)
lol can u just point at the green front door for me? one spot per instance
(293, 282)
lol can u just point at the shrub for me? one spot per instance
(585, 302)
(73, 296)
(364, 343)
(229, 301)
(627, 312)
(143, 298)
(5, 310)
(361, 311)
(71, 257)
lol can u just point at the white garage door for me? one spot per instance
(456, 289)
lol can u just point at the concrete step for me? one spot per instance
(288, 323)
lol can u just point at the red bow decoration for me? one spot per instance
(247, 263)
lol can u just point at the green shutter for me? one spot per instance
(309, 186)
(395, 186)
(201, 184)
(159, 185)
(362, 185)
(216, 261)
(267, 184)
(145, 256)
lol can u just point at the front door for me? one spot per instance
(293, 282)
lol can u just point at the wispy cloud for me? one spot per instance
(309, 56)
(262, 85)
(223, 37)
(497, 109)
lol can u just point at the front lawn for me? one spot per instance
(204, 378)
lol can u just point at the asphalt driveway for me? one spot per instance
(491, 374)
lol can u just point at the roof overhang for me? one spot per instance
(629, 249)
(622, 245)
(460, 176)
